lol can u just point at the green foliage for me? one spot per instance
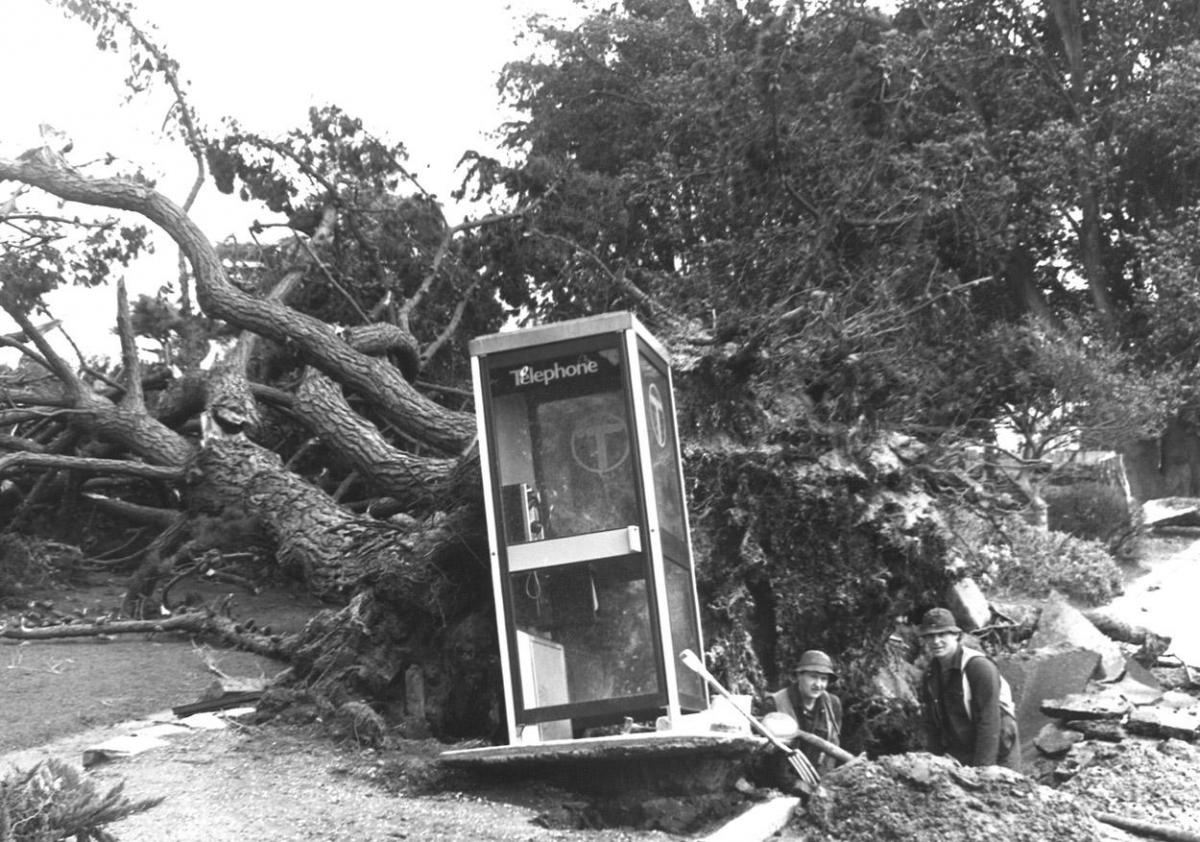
(390, 239)
(53, 801)
(48, 252)
(1061, 388)
(1010, 556)
(1093, 510)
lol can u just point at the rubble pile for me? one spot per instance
(1153, 781)
(923, 796)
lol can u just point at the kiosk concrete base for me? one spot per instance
(653, 763)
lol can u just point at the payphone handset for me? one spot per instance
(524, 516)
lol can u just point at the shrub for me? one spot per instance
(54, 801)
(1010, 556)
(1088, 510)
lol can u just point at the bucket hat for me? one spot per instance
(936, 621)
(814, 660)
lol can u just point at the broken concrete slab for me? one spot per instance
(127, 745)
(968, 605)
(662, 763)
(1171, 511)
(1177, 700)
(162, 730)
(1105, 705)
(1165, 722)
(1140, 689)
(760, 822)
(1043, 674)
(208, 721)
(1062, 625)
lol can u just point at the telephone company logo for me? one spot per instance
(527, 375)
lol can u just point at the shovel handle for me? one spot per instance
(692, 662)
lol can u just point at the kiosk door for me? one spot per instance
(577, 576)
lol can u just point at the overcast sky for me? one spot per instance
(421, 72)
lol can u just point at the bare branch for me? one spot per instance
(333, 281)
(451, 326)
(56, 364)
(129, 356)
(448, 237)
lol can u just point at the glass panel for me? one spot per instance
(684, 632)
(583, 631)
(563, 449)
(664, 457)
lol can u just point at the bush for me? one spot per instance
(54, 801)
(1010, 556)
(1088, 510)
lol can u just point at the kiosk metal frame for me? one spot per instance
(591, 560)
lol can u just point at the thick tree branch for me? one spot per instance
(19, 461)
(403, 405)
(321, 406)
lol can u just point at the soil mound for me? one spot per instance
(923, 796)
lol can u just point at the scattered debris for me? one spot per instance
(1153, 782)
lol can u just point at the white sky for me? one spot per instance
(420, 72)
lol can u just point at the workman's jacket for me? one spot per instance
(968, 711)
(824, 719)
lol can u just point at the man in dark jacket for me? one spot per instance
(966, 704)
(807, 701)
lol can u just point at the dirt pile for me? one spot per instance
(923, 796)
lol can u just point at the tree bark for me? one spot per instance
(316, 341)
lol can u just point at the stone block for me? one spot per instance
(1054, 741)
(968, 605)
(1062, 626)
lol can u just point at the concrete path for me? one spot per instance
(1167, 602)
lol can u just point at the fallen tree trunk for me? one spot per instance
(196, 622)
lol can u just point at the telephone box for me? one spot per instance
(591, 560)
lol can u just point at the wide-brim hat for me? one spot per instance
(936, 621)
(814, 660)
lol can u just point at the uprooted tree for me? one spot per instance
(806, 207)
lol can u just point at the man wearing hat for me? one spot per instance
(810, 705)
(966, 704)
